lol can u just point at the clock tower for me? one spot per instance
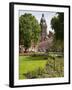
(43, 28)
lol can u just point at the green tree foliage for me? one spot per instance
(57, 23)
(29, 30)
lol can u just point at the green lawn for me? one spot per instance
(28, 63)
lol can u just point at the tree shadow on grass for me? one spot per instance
(30, 58)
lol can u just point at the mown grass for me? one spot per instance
(29, 64)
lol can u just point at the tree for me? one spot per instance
(29, 30)
(57, 23)
(35, 32)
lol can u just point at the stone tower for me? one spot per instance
(43, 28)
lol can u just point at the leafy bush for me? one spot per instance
(54, 67)
(31, 75)
(37, 73)
(42, 55)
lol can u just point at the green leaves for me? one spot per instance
(29, 30)
(57, 23)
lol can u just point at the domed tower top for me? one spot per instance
(43, 18)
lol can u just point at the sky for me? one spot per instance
(38, 14)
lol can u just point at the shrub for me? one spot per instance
(40, 71)
(37, 73)
(42, 55)
(28, 75)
